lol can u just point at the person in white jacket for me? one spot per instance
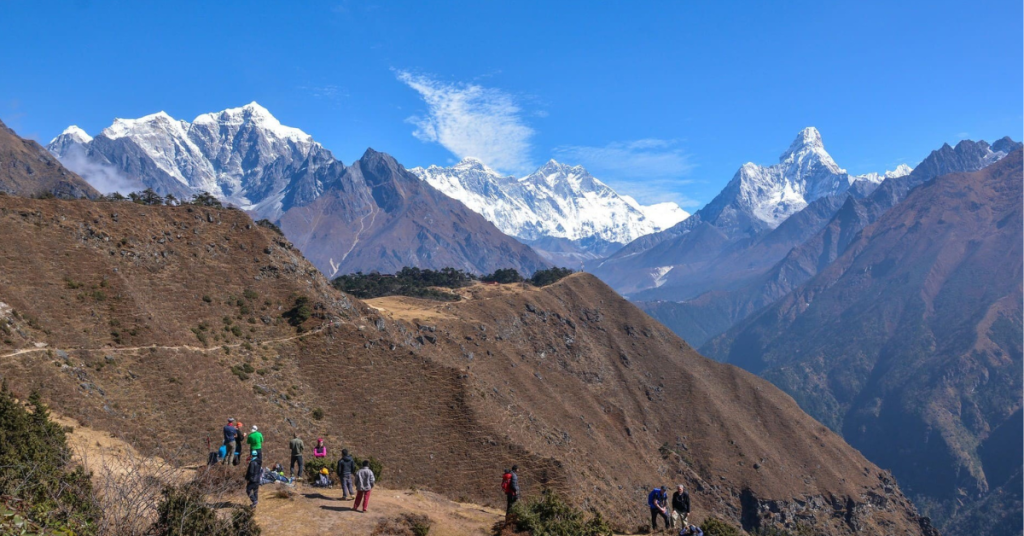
(364, 483)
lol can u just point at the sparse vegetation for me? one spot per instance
(318, 414)
(269, 225)
(713, 526)
(38, 480)
(403, 525)
(185, 512)
(551, 515)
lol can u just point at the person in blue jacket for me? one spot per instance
(658, 501)
(692, 530)
(230, 432)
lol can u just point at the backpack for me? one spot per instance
(506, 483)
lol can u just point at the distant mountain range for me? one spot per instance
(909, 342)
(374, 215)
(565, 213)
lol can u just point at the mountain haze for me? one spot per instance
(27, 169)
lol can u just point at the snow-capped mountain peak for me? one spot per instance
(65, 140)
(257, 115)
(770, 194)
(558, 201)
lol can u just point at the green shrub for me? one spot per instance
(546, 277)
(503, 275)
(250, 294)
(300, 313)
(550, 515)
(713, 526)
(183, 511)
(314, 465)
(36, 469)
(318, 414)
(403, 525)
(375, 465)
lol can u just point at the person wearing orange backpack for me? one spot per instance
(510, 485)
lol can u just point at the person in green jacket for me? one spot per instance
(255, 441)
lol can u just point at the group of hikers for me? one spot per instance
(256, 475)
(678, 514)
(357, 483)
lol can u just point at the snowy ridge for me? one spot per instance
(243, 156)
(556, 201)
(805, 173)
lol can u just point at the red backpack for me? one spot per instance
(506, 482)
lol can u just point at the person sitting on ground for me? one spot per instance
(692, 530)
(657, 501)
(230, 433)
(320, 450)
(253, 477)
(323, 479)
(346, 468)
(297, 447)
(681, 506)
(364, 484)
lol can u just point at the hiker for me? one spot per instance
(657, 500)
(681, 506)
(692, 530)
(323, 479)
(364, 484)
(253, 475)
(238, 443)
(297, 447)
(346, 467)
(230, 433)
(320, 450)
(255, 441)
(510, 485)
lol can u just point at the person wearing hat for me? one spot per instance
(255, 441)
(230, 433)
(253, 475)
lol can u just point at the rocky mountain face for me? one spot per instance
(27, 169)
(180, 317)
(373, 216)
(562, 211)
(686, 260)
(807, 242)
(909, 343)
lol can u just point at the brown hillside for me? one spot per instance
(910, 343)
(26, 168)
(573, 383)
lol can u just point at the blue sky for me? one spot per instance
(663, 100)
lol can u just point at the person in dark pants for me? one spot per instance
(297, 447)
(658, 500)
(252, 479)
(510, 485)
(681, 506)
(346, 468)
(238, 443)
(230, 433)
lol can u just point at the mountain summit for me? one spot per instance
(563, 211)
(372, 216)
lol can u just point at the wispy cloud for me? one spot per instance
(472, 120)
(649, 169)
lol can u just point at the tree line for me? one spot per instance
(428, 284)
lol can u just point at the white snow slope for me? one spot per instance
(556, 201)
